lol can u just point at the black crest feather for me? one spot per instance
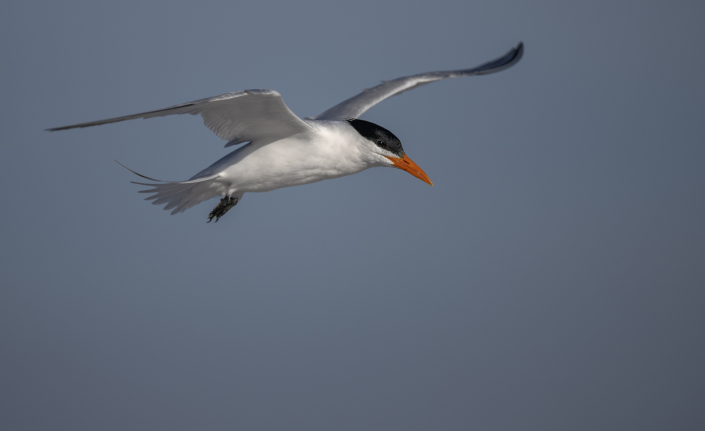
(382, 137)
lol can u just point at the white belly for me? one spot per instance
(300, 159)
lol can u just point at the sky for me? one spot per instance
(552, 279)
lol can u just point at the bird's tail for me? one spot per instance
(181, 195)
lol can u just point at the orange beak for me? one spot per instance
(408, 165)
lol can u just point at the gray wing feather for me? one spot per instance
(355, 106)
(242, 116)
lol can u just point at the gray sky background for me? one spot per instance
(553, 279)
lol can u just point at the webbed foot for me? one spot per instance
(219, 211)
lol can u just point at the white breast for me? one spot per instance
(333, 149)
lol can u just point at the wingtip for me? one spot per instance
(518, 53)
(506, 61)
(519, 50)
(515, 54)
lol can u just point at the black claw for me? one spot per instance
(219, 211)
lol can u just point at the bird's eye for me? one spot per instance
(380, 143)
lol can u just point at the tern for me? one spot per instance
(283, 150)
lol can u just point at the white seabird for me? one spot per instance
(284, 150)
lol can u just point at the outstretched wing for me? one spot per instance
(237, 117)
(355, 106)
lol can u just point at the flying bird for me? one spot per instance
(283, 150)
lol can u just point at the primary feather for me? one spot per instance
(283, 149)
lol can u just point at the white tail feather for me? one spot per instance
(181, 195)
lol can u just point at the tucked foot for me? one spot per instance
(219, 211)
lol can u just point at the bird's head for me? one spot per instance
(389, 148)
